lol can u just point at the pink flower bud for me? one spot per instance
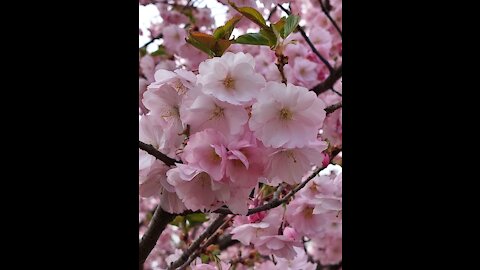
(326, 160)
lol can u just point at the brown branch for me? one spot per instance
(205, 245)
(226, 242)
(327, 13)
(309, 42)
(151, 41)
(192, 248)
(159, 221)
(282, 60)
(329, 82)
(272, 11)
(157, 154)
(333, 107)
(276, 202)
(336, 92)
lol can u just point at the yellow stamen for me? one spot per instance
(286, 114)
(229, 82)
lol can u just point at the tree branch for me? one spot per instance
(333, 107)
(159, 221)
(226, 242)
(312, 47)
(329, 82)
(208, 232)
(151, 41)
(205, 245)
(276, 202)
(272, 11)
(327, 13)
(159, 155)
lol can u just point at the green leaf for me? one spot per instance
(280, 24)
(251, 14)
(205, 258)
(197, 217)
(201, 47)
(177, 221)
(253, 39)
(221, 46)
(202, 41)
(160, 51)
(143, 51)
(224, 32)
(290, 25)
(268, 33)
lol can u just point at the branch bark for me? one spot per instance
(159, 155)
(205, 245)
(333, 107)
(276, 202)
(151, 41)
(309, 42)
(192, 248)
(327, 13)
(329, 82)
(159, 221)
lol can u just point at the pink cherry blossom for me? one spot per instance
(206, 151)
(322, 39)
(202, 111)
(290, 165)
(142, 87)
(151, 131)
(147, 66)
(286, 116)
(194, 187)
(300, 215)
(305, 70)
(299, 262)
(181, 80)
(203, 17)
(174, 36)
(163, 103)
(279, 245)
(246, 160)
(193, 57)
(327, 249)
(231, 78)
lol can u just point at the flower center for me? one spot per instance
(215, 157)
(217, 112)
(229, 82)
(171, 112)
(308, 212)
(286, 114)
(291, 155)
(179, 87)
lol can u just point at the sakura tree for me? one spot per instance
(240, 136)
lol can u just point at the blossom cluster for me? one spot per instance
(240, 137)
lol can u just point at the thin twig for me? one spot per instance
(276, 202)
(324, 9)
(151, 41)
(330, 109)
(208, 232)
(206, 244)
(336, 92)
(272, 11)
(159, 155)
(309, 42)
